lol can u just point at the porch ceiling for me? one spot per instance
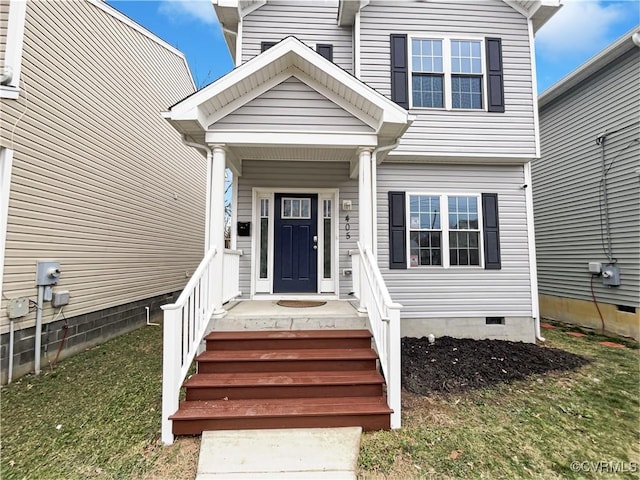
(197, 115)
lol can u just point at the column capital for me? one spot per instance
(219, 146)
(362, 150)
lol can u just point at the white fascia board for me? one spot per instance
(540, 11)
(13, 48)
(347, 10)
(319, 139)
(591, 66)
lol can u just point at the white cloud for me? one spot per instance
(579, 27)
(187, 10)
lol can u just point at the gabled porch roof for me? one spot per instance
(196, 116)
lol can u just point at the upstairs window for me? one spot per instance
(447, 73)
(428, 73)
(466, 74)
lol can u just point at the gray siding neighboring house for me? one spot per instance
(99, 181)
(599, 100)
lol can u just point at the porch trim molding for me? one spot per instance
(195, 115)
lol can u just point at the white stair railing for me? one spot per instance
(185, 322)
(231, 269)
(384, 320)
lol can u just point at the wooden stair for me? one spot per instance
(284, 379)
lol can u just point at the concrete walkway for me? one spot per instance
(304, 453)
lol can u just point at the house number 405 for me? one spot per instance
(347, 227)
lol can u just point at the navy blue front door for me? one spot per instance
(296, 243)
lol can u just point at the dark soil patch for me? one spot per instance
(459, 365)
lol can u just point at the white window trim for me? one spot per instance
(446, 66)
(444, 228)
(264, 286)
(13, 48)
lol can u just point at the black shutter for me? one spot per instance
(397, 231)
(399, 70)
(266, 46)
(495, 80)
(491, 231)
(326, 50)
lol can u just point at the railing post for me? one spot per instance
(171, 359)
(394, 386)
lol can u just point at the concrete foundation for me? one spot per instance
(516, 329)
(585, 313)
(84, 331)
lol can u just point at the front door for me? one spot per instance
(296, 243)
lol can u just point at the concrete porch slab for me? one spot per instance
(268, 315)
(270, 308)
(304, 453)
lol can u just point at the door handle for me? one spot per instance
(315, 247)
(315, 239)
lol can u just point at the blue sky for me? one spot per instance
(577, 32)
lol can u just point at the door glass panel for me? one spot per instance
(327, 238)
(264, 237)
(296, 208)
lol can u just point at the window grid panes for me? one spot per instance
(296, 208)
(466, 79)
(264, 237)
(464, 233)
(428, 74)
(447, 73)
(326, 219)
(425, 235)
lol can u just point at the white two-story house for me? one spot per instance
(380, 151)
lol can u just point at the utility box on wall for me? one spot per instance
(611, 275)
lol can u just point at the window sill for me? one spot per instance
(433, 109)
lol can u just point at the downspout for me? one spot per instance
(374, 192)
(533, 265)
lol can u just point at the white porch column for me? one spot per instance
(216, 222)
(365, 213)
(365, 199)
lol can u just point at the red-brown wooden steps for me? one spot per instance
(372, 413)
(235, 386)
(284, 379)
(296, 339)
(283, 360)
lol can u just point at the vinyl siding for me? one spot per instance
(100, 181)
(464, 133)
(310, 22)
(566, 183)
(460, 291)
(283, 175)
(4, 21)
(291, 106)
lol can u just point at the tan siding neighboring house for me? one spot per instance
(4, 17)
(100, 181)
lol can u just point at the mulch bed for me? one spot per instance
(459, 365)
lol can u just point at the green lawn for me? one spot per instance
(530, 429)
(98, 415)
